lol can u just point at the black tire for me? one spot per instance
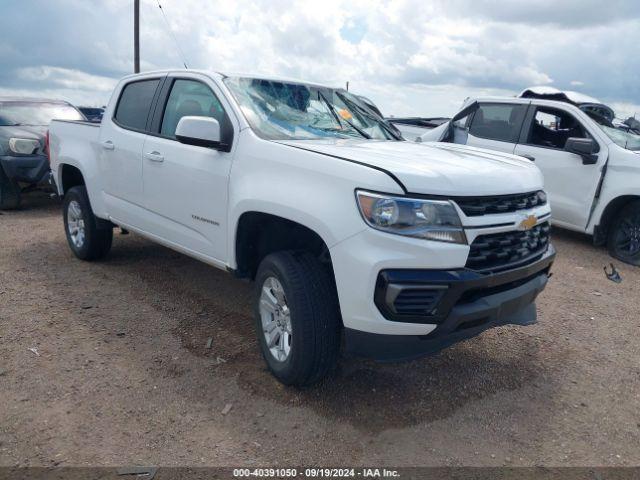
(97, 239)
(9, 192)
(624, 234)
(312, 302)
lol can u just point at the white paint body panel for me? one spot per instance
(185, 194)
(437, 168)
(309, 182)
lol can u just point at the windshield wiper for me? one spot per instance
(332, 109)
(381, 121)
(339, 130)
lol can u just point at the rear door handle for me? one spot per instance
(529, 157)
(108, 145)
(154, 156)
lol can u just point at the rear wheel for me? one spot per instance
(86, 239)
(9, 192)
(624, 234)
(297, 317)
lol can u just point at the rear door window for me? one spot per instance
(498, 121)
(134, 104)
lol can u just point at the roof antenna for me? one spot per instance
(175, 40)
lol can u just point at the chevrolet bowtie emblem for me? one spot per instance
(528, 223)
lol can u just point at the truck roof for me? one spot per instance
(526, 100)
(497, 99)
(543, 93)
(273, 78)
(551, 93)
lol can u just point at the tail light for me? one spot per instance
(46, 147)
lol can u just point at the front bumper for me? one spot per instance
(471, 304)
(31, 169)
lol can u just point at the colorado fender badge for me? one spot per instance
(528, 223)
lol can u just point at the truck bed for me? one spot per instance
(77, 144)
(69, 139)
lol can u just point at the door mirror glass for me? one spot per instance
(585, 147)
(200, 131)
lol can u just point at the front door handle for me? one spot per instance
(154, 157)
(529, 157)
(108, 145)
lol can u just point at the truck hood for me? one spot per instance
(23, 131)
(436, 168)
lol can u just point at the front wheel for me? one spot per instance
(297, 317)
(86, 240)
(624, 234)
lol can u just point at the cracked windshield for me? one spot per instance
(287, 111)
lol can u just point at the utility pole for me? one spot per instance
(136, 36)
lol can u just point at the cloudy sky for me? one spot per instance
(411, 57)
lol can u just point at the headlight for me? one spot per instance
(23, 146)
(542, 197)
(430, 219)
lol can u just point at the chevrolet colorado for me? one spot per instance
(349, 233)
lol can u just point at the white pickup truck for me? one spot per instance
(350, 233)
(589, 164)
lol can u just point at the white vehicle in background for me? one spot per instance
(591, 166)
(413, 127)
(348, 231)
(410, 128)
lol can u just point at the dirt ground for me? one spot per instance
(106, 364)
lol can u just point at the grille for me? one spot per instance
(474, 206)
(498, 251)
(417, 301)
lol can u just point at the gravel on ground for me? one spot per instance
(107, 363)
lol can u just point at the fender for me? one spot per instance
(617, 181)
(306, 187)
(93, 190)
(70, 148)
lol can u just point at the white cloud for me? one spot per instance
(66, 78)
(625, 109)
(84, 98)
(410, 56)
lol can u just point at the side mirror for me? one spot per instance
(585, 147)
(199, 131)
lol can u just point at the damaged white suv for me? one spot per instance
(349, 232)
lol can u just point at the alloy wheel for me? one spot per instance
(75, 224)
(627, 239)
(276, 319)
